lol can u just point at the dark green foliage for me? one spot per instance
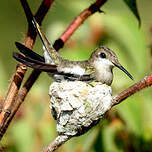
(133, 7)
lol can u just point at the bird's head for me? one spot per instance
(103, 56)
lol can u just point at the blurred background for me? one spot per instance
(128, 126)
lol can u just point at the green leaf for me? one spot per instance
(133, 7)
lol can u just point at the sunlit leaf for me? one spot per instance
(133, 7)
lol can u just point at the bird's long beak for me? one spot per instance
(124, 70)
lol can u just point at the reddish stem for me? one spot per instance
(77, 22)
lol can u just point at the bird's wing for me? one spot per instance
(38, 65)
(89, 70)
(35, 61)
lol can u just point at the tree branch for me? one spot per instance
(145, 82)
(11, 105)
(59, 140)
(95, 7)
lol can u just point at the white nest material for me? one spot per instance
(77, 106)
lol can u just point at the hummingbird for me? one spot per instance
(98, 68)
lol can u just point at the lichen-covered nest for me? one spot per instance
(77, 106)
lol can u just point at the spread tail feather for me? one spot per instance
(35, 64)
(28, 52)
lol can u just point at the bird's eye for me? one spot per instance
(102, 55)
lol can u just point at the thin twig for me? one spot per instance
(146, 82)
(95, 7)
(11, 105)
(59, 140)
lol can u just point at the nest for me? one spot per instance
(77, 106)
